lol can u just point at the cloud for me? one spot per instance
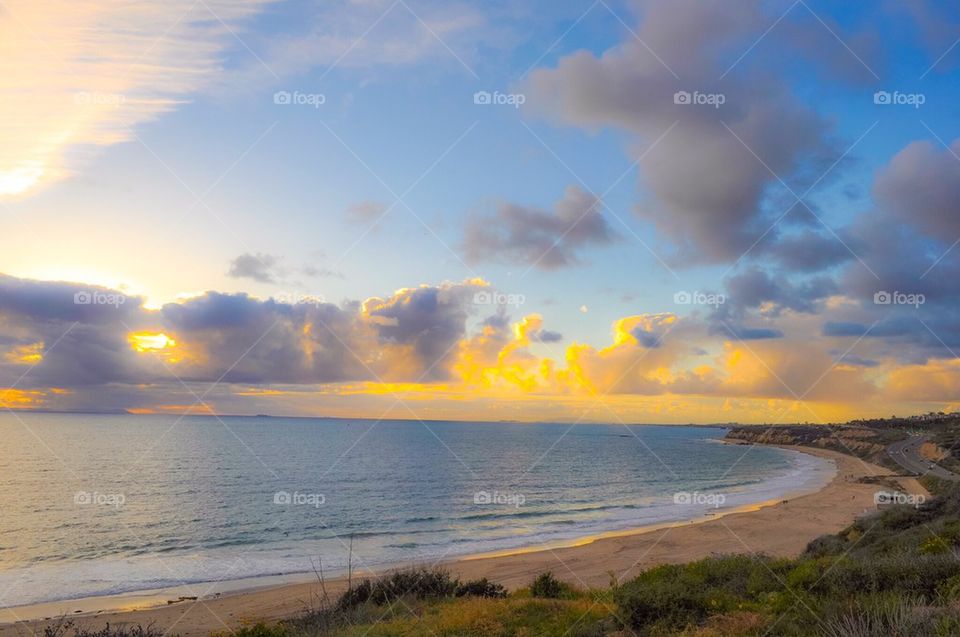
(853, 57)
(232, 338)
(921, 188)
(885, 329)
(78, 76)
(810, 251)
(754, 288)
(366, 212)
(853, 359)
(421, 325)
(266, 268)
(418, 340)
(546, 336)
(741, 333)
(313, 271)
(938, 26)
(547, 240)
(712, 168)
(375, 33)
(257, 267)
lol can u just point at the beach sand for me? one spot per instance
(779, 529)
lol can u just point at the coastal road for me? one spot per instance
(906, 453)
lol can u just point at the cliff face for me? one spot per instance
(863, 443)
(932, 451)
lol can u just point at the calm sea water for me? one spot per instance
(93, 505)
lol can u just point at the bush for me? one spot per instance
(673, 597)
(670, 603)
(548, 586)
(884, 617)
(419, 583)
(911, 575)
(258, 630)
(826, 545)
(480, 588)
(60, 628)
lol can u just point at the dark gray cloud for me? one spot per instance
(538, 238)
(257, 267)
(430, 320)
(921, 188)
(754, 287)
(711, 175)
(811, 251)
(80, 329)
(231, 338)
(545, 336)
(742, 333)
(893, 257)
(853, 359)
(53, 301)
(646, 338)
(883, 329)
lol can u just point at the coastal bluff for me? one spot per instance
(862, 442)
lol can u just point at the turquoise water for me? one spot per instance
(95, 505)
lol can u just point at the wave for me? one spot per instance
(563, 504)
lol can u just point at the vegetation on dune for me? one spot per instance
(549, 587)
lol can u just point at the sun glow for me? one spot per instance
(21, 179)
(151, 341)
(26, 354)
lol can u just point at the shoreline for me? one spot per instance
(584, 561)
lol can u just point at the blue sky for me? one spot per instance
(197, 166)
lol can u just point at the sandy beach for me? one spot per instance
(775, 528)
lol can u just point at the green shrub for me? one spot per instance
(60, 627)
(548, 586)
(883, 617)
(259, 630)
(827, 545)
(949, 589)
(666, 602)
(480, 588)
(419, 583)
(911, 575)
(934, 545)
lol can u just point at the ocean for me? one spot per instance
(107, 504)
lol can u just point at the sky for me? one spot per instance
(637, 211)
